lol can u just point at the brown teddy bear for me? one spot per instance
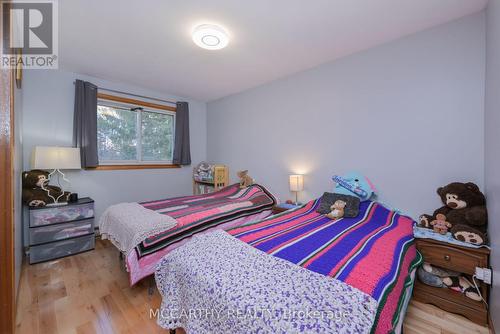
(35, 178)
(337, 210)
(245, 180)
(465, 209)
(463, 285)
(34, 195)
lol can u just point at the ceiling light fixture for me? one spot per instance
(210, 37)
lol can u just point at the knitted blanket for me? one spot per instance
(218, 284)
(373, 252)
(198, 213)
(128, 224)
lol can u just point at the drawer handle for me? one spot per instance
(447, 258)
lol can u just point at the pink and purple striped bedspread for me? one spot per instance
(373, 252)
(226, 208)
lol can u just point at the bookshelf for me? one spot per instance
(209, 178)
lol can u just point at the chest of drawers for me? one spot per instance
(60, 231)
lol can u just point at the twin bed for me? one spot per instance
(298, 271)
(197, 214)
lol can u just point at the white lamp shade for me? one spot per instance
(54, 157)
(296, 182)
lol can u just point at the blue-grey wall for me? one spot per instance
(492, 147)
(408, 114)
(48, 100)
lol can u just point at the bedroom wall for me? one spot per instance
(408, 114)
(48, 103)
(492, 148)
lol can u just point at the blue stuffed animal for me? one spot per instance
(354, 184)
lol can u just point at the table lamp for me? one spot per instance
(296, 185)
(55, 158)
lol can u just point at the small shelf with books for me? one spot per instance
(208, 178)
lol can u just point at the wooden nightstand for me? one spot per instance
(282, 207)
(457, 258)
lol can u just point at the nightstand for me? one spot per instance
(282, 207)
(59, 231)
(457, 258)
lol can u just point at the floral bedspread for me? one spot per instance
(219, 284)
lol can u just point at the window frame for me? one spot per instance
(118, 101)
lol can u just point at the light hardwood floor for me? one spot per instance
(89, 293)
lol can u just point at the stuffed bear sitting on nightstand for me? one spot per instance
(465, 210)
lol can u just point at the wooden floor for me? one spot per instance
(89, 293)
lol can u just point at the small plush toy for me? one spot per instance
(425, 221)
(245, 180)
(440, 225)
(433, 276)
(337, 210)
(463, 285)
(429, 279)
(465, 209)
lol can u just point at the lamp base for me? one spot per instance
(56, 200)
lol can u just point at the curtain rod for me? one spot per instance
(136, 95)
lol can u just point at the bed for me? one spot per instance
(197, 214)
(354, 275)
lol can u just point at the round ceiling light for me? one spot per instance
(210, 37)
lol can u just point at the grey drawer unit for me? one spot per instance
(61, 214)
(49, 233)
(59, 231)
(58, 249)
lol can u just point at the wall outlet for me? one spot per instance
(487, 275)
(484, 274)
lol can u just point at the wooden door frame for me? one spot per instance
(7, 271)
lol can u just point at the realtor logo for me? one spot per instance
(29, 31)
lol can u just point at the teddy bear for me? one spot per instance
(443, 278)
(245, 180)
(463, 285)
(337, 210)
(440, 225)
(33, 194)
(465, 209)
(433, 276)
(35, 178)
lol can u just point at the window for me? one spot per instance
(131, 132)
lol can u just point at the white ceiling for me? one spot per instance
(148, 43)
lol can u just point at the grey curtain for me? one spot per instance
(182, 151)
(85, 122)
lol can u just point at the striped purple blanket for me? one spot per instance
(373, 252)
(201, 212)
